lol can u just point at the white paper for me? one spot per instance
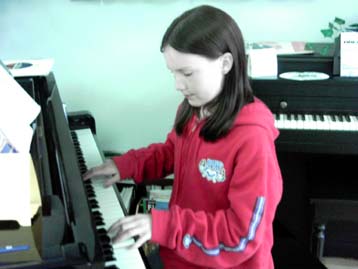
(5, 145)
(15, 188)
(29, 68)
(349, 54)
(19, 136)
(302, 76)
(262, 63)
(17, 111)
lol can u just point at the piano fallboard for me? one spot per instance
(323, 96)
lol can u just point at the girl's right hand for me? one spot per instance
(108, 170)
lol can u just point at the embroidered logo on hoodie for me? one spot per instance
(212, 170)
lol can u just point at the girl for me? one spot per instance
(227, 182)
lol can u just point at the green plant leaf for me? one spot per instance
(339, 21)
(333, 26)
(327, 32)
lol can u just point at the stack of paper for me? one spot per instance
(19, 191)
(17, 111)
(29, 68)
(281, 48)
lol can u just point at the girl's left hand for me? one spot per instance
(139, 226)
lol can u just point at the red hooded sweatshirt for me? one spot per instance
(224, 197)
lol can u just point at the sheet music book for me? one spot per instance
(127, 194)
(17, 111)
(282, 48)
(29, 67)
(349, 54)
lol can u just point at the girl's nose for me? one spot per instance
(179, 83)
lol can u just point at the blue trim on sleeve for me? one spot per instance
(254, 223)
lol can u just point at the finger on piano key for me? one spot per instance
(110, 209)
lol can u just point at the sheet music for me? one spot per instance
(29, 67)
(17, 111)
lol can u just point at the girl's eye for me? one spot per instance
(188, 74)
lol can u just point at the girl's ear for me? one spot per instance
(227, 62)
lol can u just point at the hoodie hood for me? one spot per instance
(257, 113)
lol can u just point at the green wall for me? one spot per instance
(107, 57)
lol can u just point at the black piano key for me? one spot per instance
(347, 118)
(105, 239)
(315, 117)
(91, 194)
(102, 231)
(109, 258)
(108, 253)
(89, 188)
(93, 204)
(97, 214)
(76, 143)
(99, 222)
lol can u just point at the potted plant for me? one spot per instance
(334, 30)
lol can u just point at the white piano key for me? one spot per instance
(326, 122)
(345, 123)
(279, 122)
(320, 124)
(338, 123)
(311, 124)
(307, 122)
(300, 122)
(293, 122)
(108, 203)
(354, 122)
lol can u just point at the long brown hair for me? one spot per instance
(210, 32)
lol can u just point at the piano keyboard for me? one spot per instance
(316, 122)
(106, 207)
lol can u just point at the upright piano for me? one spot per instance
(70, 228)
(318, 153)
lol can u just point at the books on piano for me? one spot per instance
(282, 48)
(29, 67)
